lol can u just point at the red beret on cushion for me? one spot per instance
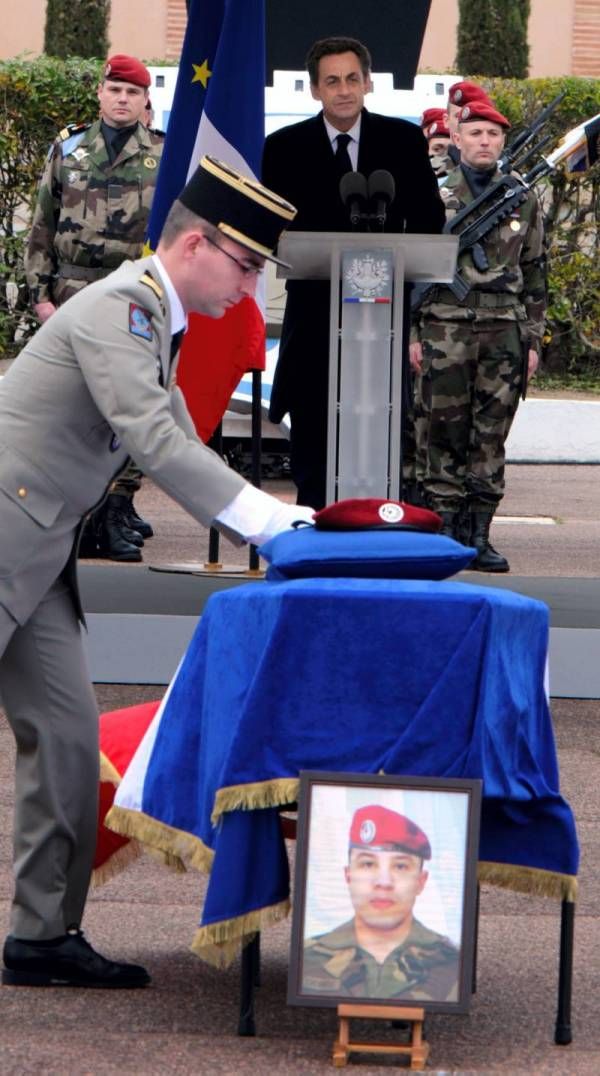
(380, 829)
(482, 110)
(362, 513)
(122, 68)
(462, 93)
(430, 115)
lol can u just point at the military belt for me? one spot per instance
(82, 272)
(487, 299)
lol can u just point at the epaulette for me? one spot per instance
(71, 129)
(70, 137)
(157, 131)
(151, 283)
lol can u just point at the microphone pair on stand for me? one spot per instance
(367, 200)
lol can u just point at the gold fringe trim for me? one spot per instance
(173, 847)
(279, 792)
(532, 880)
(108, 772)
(120, 859)
(220, 943)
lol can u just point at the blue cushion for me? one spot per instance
(366, 554)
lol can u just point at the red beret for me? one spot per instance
(431, 115)
(360, 513)
(482, 110)
(437, 129)
(122, 68)
(381, 829)
(462, 93)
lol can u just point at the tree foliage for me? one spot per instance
(76, 28)
(492, 37)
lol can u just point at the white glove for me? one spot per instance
(282, 519)
(257, 516)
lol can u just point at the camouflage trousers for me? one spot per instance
(465, 400)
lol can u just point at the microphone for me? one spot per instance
(353, 192)
(382, 191)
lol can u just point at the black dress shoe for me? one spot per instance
(66, 961)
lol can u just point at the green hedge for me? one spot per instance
(38, 97)
(572, 215)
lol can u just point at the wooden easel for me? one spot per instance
(417, 1048)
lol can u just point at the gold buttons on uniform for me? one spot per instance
(22, 492)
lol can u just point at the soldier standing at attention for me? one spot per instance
(472, 357)
(383, 951)
(435, 129)
(91, 215)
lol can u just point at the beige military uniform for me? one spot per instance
(92, 387)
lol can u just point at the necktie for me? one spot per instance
(341, 154)
(176, 343)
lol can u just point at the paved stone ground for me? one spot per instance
(186, 1022)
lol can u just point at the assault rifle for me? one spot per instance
(473, 223)
(521, 148)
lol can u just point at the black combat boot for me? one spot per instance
(463, 525)
(449, 521)
(88, 542)
(487, 559)
(137, 523)
(116, 539)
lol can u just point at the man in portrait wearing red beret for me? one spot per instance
(473, 356)
(383, 951)
(91, 215)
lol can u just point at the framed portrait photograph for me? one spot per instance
(385, 893)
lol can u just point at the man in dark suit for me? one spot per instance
(305, 163)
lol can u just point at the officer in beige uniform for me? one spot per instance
(93, 387)
(92, 214)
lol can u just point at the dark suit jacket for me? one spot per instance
(299, 164)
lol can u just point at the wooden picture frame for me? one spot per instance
(385, 894)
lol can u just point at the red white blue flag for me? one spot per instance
(218, 108)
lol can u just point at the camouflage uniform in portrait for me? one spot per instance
(425, 967)
(474, 361)
(91, 215)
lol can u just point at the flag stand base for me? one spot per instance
(210, 568)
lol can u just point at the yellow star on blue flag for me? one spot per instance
(201, 73)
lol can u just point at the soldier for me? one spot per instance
(95, 385)
(435, 129)
(472, 357)
(459, 95)
(384, 951)
(91, 214)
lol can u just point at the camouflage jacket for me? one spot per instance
(424, 967)
(513, 288)
(90, 215)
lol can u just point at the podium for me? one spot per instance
(367, 273)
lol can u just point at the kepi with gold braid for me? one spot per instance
(238, 206)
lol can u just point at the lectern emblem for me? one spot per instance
(368, 276)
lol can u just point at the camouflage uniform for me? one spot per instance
(473, 353)
(425, 967)
(90, 217)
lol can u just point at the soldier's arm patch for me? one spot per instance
(140, 321)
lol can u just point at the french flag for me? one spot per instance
(218, 108)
